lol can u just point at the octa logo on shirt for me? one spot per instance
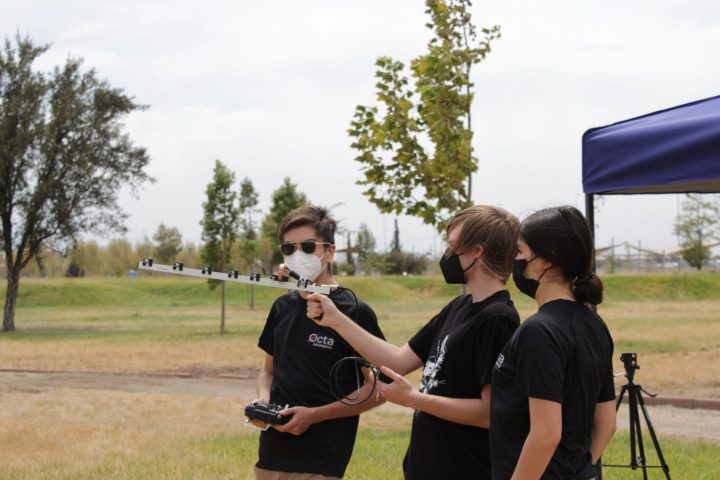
(500, 361)
(321, 341)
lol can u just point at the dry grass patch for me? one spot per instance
(98, 355)
(678, 344)
(55, 428)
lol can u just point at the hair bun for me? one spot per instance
(588, 288)
(583, 278)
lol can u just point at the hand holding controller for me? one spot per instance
(268, 413)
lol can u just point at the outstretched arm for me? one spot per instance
(323, 311)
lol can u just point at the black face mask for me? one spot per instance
(528, 286)
(452, 270)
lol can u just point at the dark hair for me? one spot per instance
(494, 229)
(317, 217)
(561, 235)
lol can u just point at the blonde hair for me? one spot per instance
(494, 229)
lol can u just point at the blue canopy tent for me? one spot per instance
(671, 151)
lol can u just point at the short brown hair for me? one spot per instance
(317, 217)
(490, 227)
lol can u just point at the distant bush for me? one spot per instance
(397, 263)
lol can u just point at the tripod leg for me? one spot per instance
(632, 407)
(618, 402)
(658, 450)
(635, 395)
(620, 396)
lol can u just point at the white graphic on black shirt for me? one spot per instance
(499, 361)
(433, 365)
(321, 341)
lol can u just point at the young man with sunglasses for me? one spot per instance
(318, 439)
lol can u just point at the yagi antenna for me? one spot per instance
(300, 284)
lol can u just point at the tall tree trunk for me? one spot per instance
(251, 291)
(222, 314)
(469, 173)
(469, 127)
(222, 297)
(13, 285)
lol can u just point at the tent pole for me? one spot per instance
(590, 216)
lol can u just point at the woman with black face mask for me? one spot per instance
(553, 409)
(458, 348)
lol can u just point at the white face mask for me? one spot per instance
(305, 264)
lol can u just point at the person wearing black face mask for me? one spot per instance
(452, 270)
(528, 286)
(553, 408)
(458, 348)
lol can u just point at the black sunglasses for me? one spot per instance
(307, 246)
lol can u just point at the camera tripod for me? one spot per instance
(637, 448)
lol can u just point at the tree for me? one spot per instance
(249, 199)
(365, 243)
(697, 225)
(168, 243)
(220, 224)
(248, 245)
(144, 248)
(403, 176)
(85, 259)
(284, 200)
(401, 263)
(190, 254)
(63, 158)
(351, 268)
(120, 257)
(395, 245)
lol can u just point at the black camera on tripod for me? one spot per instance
(638, 410)
(629, 360)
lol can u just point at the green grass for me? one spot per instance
(168, 291)
(687, 459)
(671, 286)
(376, 456)
(174, 309)
(646, 313)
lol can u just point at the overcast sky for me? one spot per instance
(269, 88)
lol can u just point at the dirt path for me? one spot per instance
(135, 383)
(667, 420)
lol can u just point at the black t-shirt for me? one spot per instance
(303, 353)
(459, 347)
(563, 353)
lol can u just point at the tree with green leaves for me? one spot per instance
(395, 243)
(168, 243)
(63, 158)
(351, 268)
(119, 257)
(284, 200)
(403, 173)
(220, 223)
(249, 199)
(366, 243)
(248, 246)
(697, 225)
